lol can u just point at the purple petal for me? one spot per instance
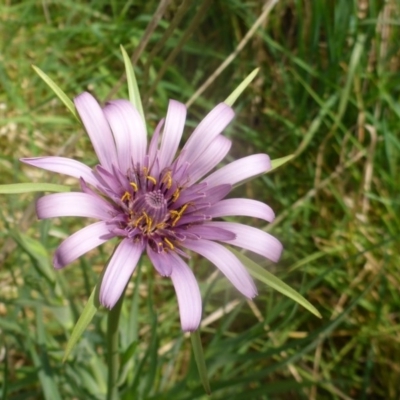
(80, 243)
(97, 128)
(129, 132)
(187, 292)
(62, 165)
(246, 207)
(208, 129)
(174, 124)
(210, 158)
(118, 271)
(240, 170)
(192, 219)
(226, 262)
(252, 239)
(109, 180)
(217, 193)
(210, 232)
(153, 146)
(161, 261)
(86, 189)
(72, 205)
(192, 194)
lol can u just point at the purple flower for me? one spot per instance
(158, 203)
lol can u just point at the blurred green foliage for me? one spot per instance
(327, 91)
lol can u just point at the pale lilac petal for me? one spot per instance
(226, 262)
(80, 243)
(245, 207)
(174, 124)
(240, 170)
(217, 193)
(161, 261)
(63, 165)
(210, 232)
(97, 128)
(214, 154)
(129, 132)
(188, 294)
(252, 239)
(72, 205)
(109, 179)
(118, 271)
(208, 129)
(153, 146)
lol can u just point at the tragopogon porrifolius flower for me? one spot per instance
(159, 203)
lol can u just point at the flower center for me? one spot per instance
(149, 211)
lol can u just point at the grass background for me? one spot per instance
(327, 91)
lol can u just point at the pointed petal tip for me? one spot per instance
(83, 96)
(57, 262)
(190, 327)
(279, 250)
(119, 271)
(188, 294)
(255, 294)
(227, 263)
(105, 303)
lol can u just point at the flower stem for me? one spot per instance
(112, 350)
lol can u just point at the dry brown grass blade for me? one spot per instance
(143, 43)
(269, 5)
(188, 32)
(173, 24)
(312, 192)
(369, 168)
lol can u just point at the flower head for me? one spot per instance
(158, 203)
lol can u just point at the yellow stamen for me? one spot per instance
(151, 179)
(182, 210)
(169, 243)
(176, 194)
(139, 220)
(167, 179)
(126, 196)
(133, 184)
(149, 222)
(178, 214)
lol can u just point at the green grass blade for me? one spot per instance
(47, 375)
(353, 65)
(274, 165)
(16, 188)
(280, 161)
(37, 251)
(87, 315)
(134, 94)
(271, 280)
(239, 90)
(200, 361)
(58, 91)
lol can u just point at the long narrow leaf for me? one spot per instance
(271, 280)
(278, 162)
(239, 90)
(46, 373)
(84, 320)
(200, 361)
(58, 91)
(35, 249)
(134, 94)
(16, 188)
